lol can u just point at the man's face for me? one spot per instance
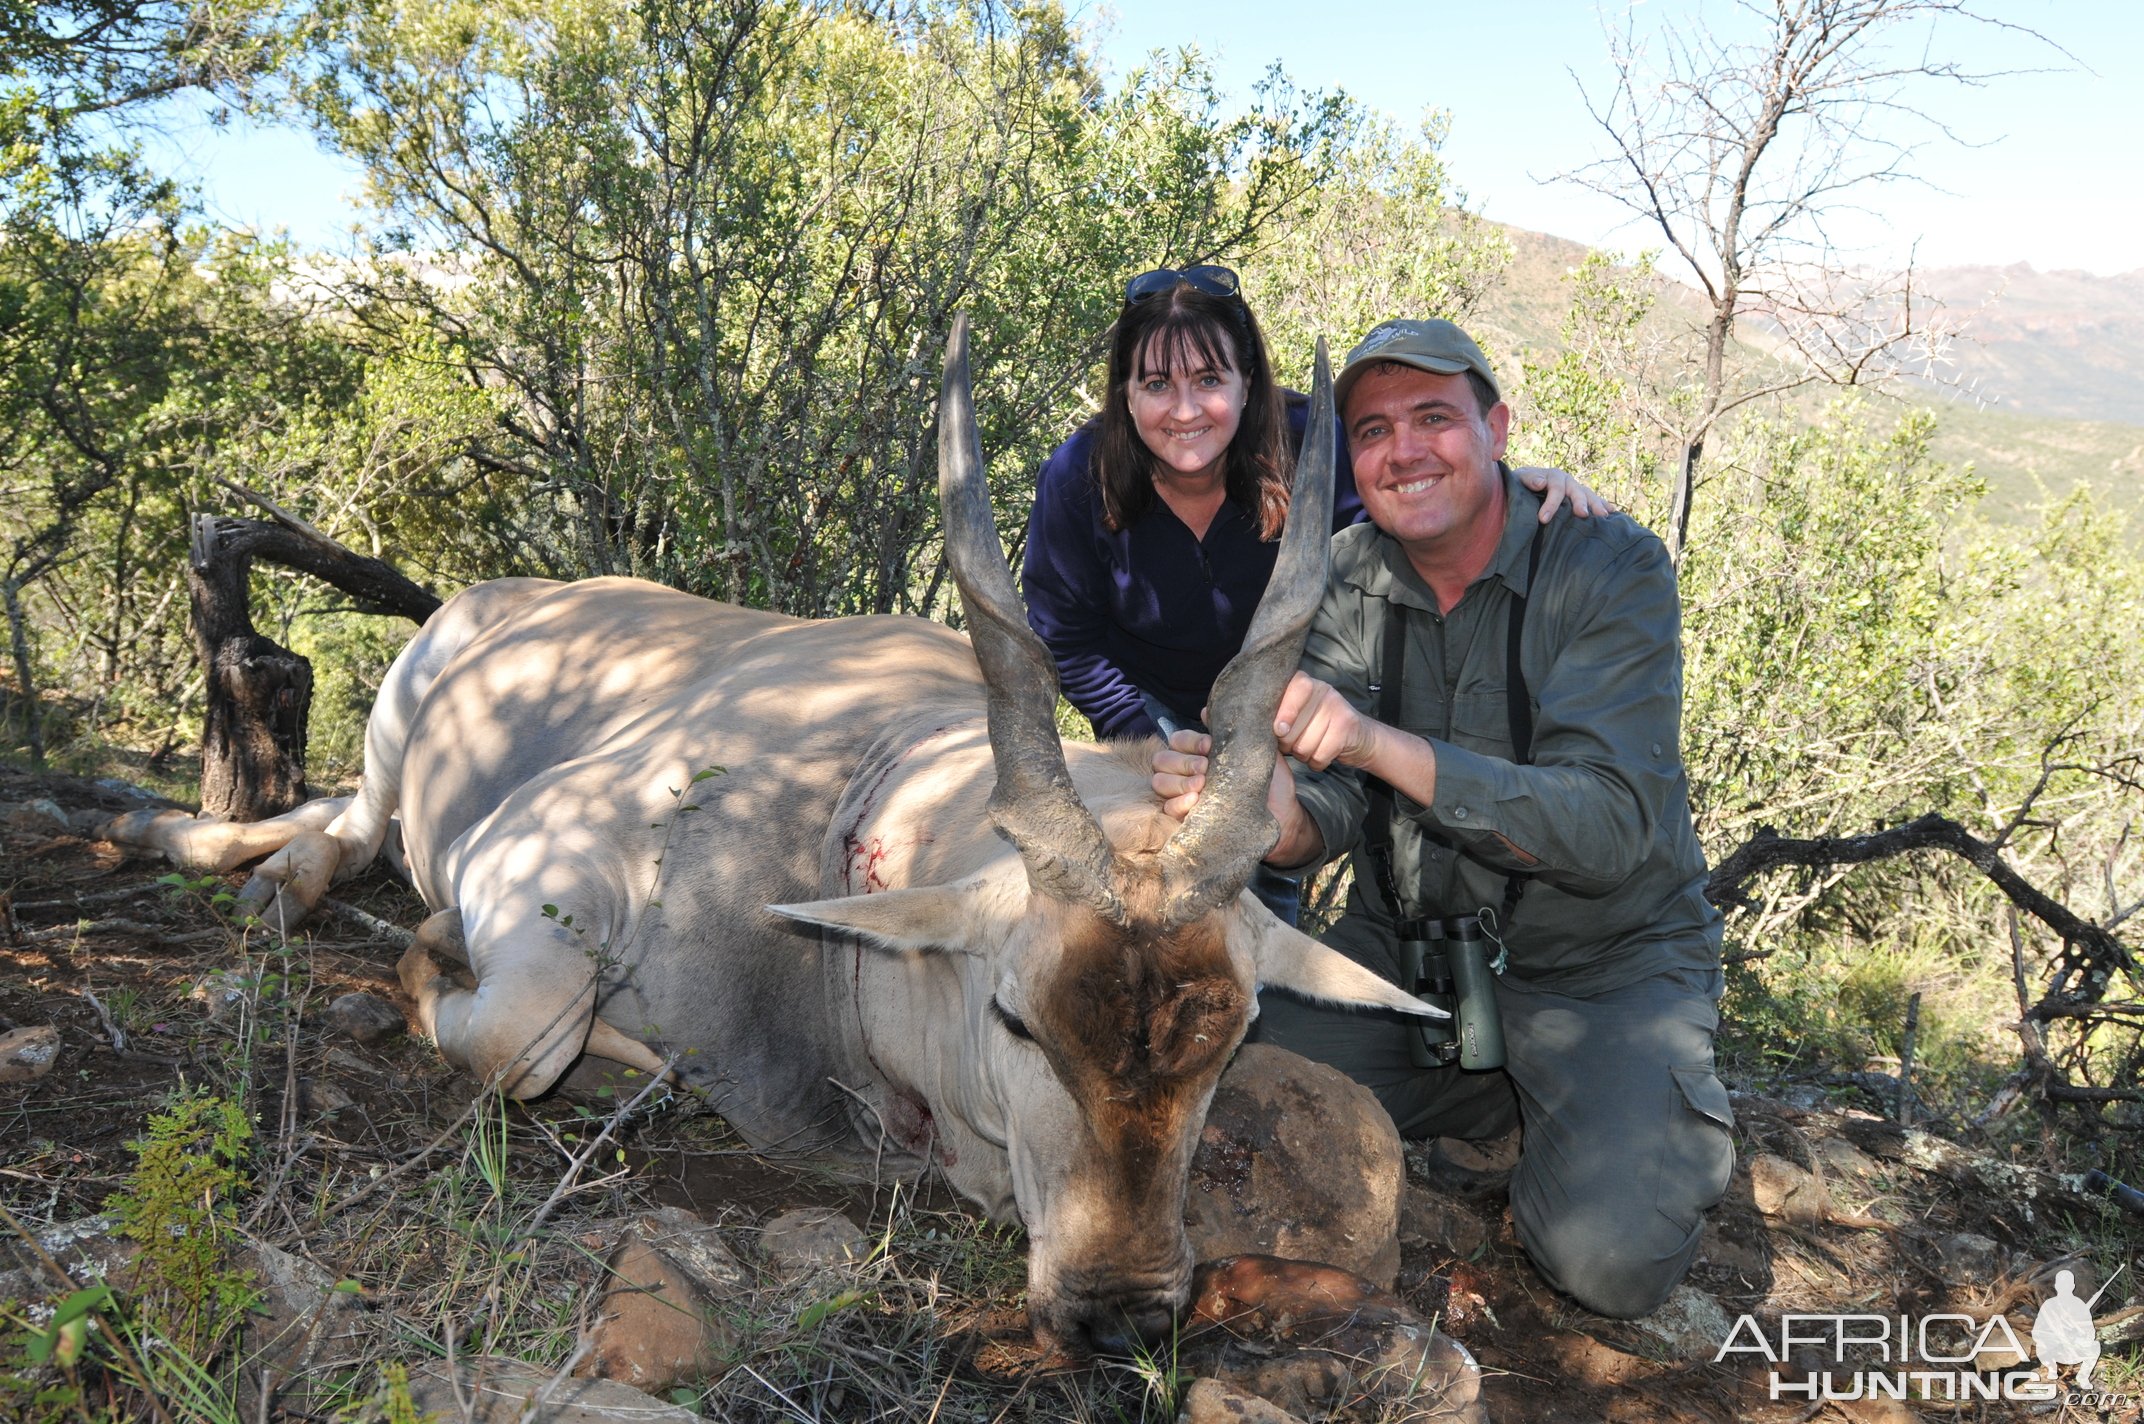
(1425, 459)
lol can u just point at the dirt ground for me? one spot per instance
(1901, 1222)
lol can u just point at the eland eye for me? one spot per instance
(1011, 1022)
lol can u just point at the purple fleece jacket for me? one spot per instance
(1148, 608)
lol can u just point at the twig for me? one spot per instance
(565, 1187)
(406, 1163)
(160, 933)
(1905, 1059)
(379, 929)
(2092, 953)
(83, 902)
(111, 1030)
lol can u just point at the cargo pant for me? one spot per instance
(1626, 1138)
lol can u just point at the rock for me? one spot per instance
(367, 1018)
(1840, 1156)
(811, 1238)
(1996, 1352)
(1296, 1160)
(354, 1065)
(1784, 1191)
(1209, 1401)
(41, 817)
(1689, 1324)
(28, 1053)
(317, 1097)
(1311, 1338)
(222, 993)
(658, 1326)
(1968, 1259)
(300, 1321)
(85, 1249)
(499, 1390)
(1427, 1219)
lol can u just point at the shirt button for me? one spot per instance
(1656, 749)
(1459, 813)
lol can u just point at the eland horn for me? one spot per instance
(1210, 859)
(1034, 806)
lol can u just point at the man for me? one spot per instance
(1580, 855)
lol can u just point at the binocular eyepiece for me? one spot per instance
(1445, 962)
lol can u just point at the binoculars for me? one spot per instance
(1443, 961)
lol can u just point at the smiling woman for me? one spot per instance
(1155, 526)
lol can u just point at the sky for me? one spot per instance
(2045, 168)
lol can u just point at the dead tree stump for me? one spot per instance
(259, 692)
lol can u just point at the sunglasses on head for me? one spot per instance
(1213, 281)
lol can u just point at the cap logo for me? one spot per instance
(1383, 336)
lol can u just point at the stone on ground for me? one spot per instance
(367, 1018)
(1786, 1192)
(1968, 1259)
(27, 1054)
(1209, 1401)
(812, 1238)
(1428, 1219)
(1296, 1160)
(499, 1391)
(1690, 1325)
(1320, 1342)
(665, 1320)
(41, 816)
(299, 1322)
(1840, 1156)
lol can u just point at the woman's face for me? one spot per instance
(1185, 409)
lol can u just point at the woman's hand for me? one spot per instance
(1557, 487)
(1180, 775)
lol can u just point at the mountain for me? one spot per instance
(2038, 344)
(2042, 390)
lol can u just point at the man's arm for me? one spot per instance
(1606, 739)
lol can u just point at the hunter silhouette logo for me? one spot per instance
(2062, 1332)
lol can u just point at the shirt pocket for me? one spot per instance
(1481, 722)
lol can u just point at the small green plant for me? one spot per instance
(489, 1146)
(181, 1204)
(209, 888)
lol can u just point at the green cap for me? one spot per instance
(1435, 345)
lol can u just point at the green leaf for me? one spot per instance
(813, 1314)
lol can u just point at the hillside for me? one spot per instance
(2038, 344)
(2046, 383)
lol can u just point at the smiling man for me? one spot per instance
(1489, 710)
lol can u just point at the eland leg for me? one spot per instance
(519, 1032)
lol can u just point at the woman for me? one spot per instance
(1156, 525)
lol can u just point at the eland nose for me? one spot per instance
(1121, 1329)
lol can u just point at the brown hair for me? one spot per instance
(1196, 329)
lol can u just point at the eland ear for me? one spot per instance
(936, 917)
(1286, 958)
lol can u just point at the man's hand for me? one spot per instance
(1317, 726)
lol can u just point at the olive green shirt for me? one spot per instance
(1600, 820)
